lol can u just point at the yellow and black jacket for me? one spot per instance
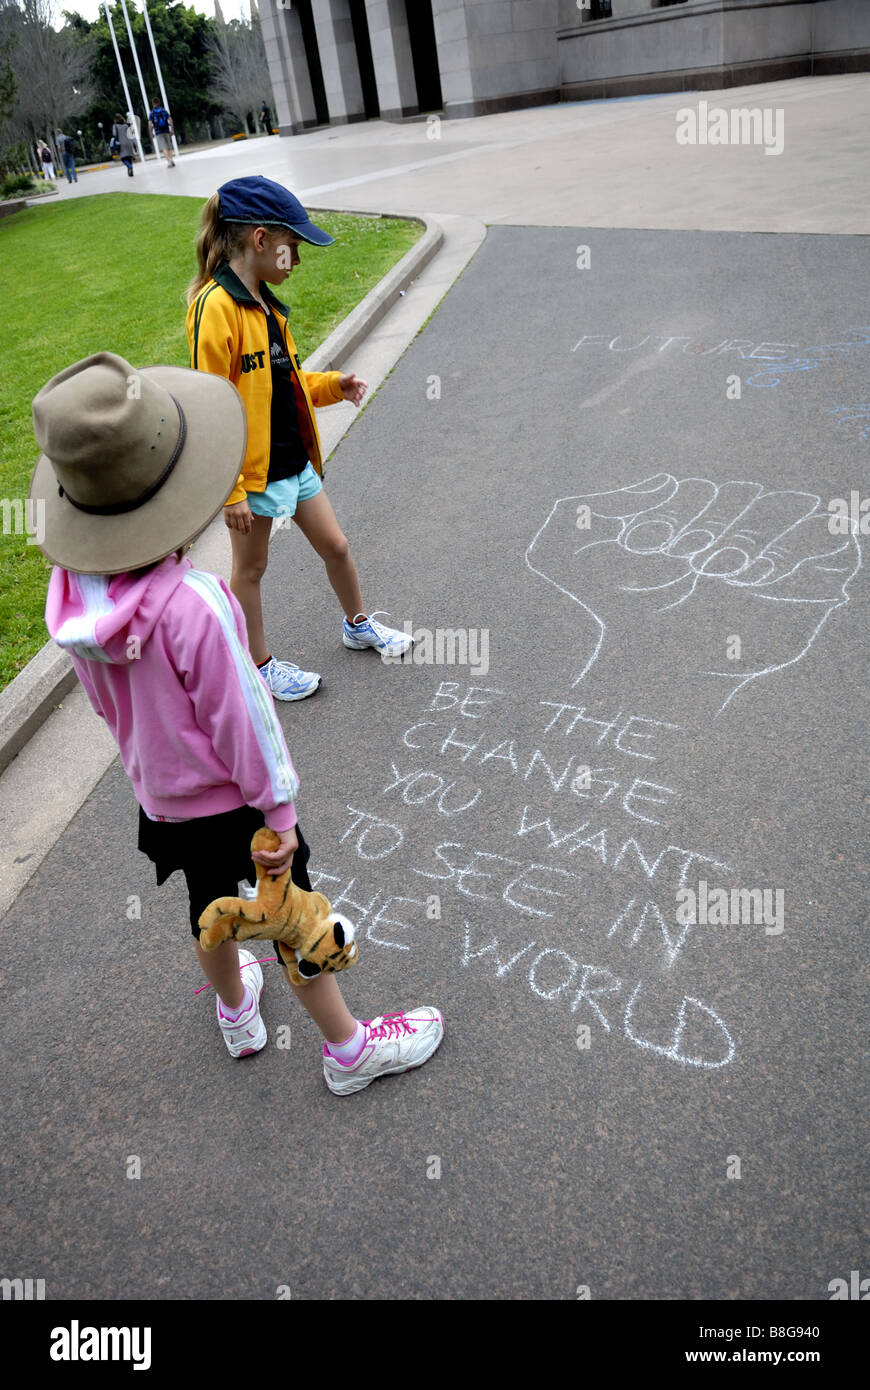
(229, 336)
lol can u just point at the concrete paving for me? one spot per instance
(620, 1101)
(595, 164)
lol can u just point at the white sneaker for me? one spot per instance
(247, 1033)
(389, 641)
(394, 1042)
(288, 682)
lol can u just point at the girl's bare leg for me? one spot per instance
(221, 969)
(322, 1000)
(319, 525)
(250, 558)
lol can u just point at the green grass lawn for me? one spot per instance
(109, 273)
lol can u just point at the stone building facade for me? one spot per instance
(335, 61)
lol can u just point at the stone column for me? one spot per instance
(391, 55)
(288, 68)
(454, 57)
(338, 61)
(497, 56)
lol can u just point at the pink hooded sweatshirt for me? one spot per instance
(164, 659)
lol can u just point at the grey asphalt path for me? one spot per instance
(567, 1158)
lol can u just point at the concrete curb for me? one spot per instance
(29, 699)
(377, 303)
(40, 687)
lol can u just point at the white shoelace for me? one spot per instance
(388, 635)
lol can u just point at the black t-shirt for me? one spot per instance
(288, 455)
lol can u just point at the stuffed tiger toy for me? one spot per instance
(312, 939)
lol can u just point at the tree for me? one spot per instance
(50, 77)
(240, 73)
(8, 80)
(180, 35)
(51, 68)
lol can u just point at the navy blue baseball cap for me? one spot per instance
(260, 200)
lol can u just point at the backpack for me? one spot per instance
(160, 120)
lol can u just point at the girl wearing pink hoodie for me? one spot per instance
(134, 465)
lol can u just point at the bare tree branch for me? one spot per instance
(240, 73)
(52, 69)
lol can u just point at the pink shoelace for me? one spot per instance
(261, 960)
(391, 1024)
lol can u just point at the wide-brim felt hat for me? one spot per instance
(135, 461)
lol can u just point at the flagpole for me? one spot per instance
(139, 74)
(130, 112)
(159, 73)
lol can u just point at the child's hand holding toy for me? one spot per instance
(312, 939)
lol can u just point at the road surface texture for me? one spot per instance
(602, 475)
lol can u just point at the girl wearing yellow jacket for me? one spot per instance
(237, 329)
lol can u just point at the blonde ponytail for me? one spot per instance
(217, 241)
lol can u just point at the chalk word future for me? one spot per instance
(660, 551)
(783, 358)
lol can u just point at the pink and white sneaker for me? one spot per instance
(394, 1042)
(247, 1033)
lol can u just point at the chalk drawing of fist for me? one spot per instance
(671, 571)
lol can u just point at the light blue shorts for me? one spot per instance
(281, 497)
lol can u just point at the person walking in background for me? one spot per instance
(266, 118)
(121, 138)
(161, 127)
(46, 159)
(66, 148)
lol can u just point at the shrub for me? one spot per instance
(13, 159)
(15, 184)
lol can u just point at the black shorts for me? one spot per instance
(213, 853)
